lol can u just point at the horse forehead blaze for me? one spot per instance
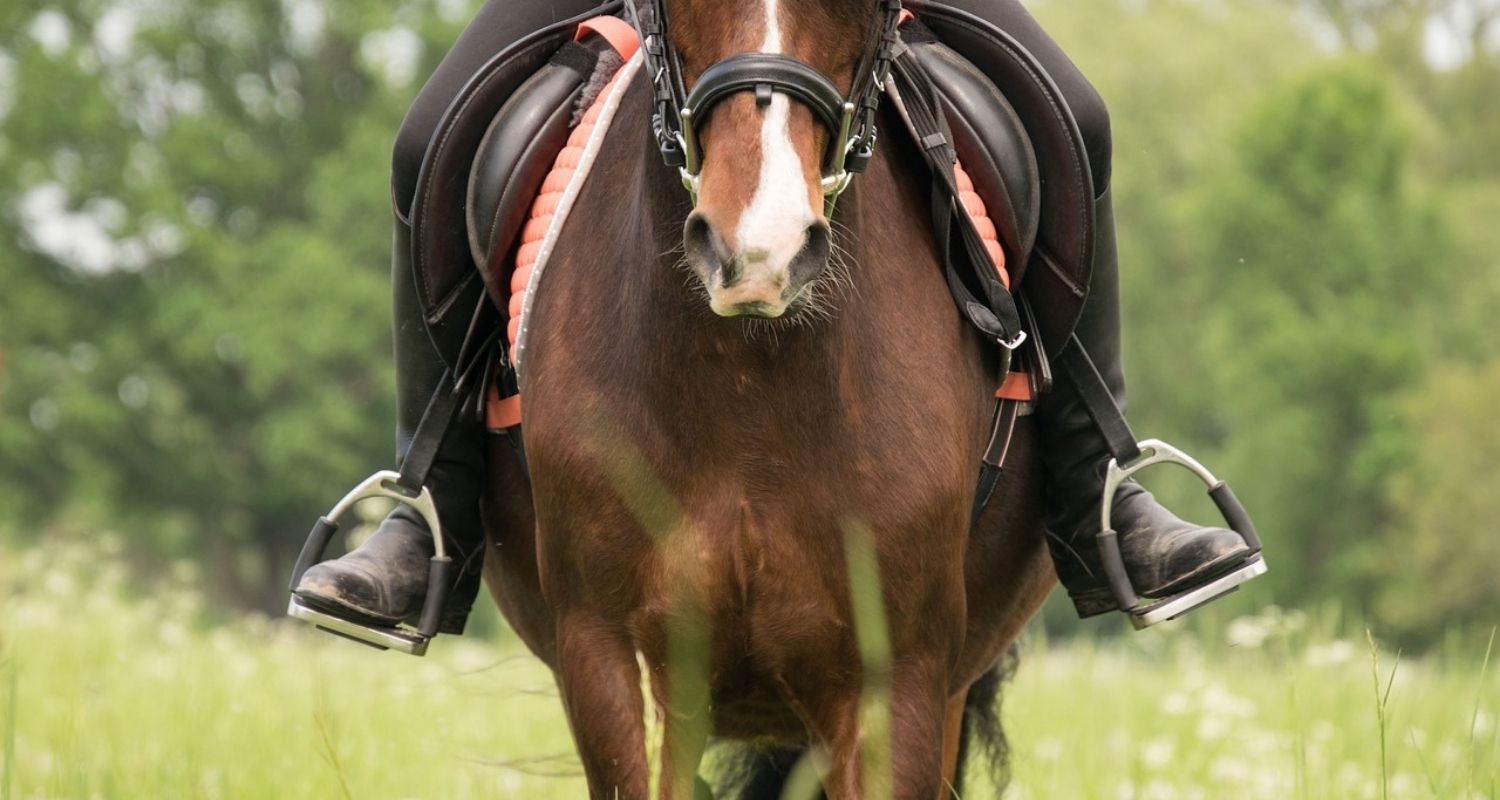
(763, 157)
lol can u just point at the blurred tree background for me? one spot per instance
(194, 274)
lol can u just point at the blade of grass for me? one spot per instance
(652, 725)
(326, 739)
(1422, 759)
(873, 638)
(12, 699)
(805, 781)
(1381, 699)
(1484, 669)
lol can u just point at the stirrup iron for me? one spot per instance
(440, 575)
(1147, 612)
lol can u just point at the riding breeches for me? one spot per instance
(500, 23)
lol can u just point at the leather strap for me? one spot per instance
(750, 71)
(476, 357)
(1097, 400)
(996, 315)
(992, 466)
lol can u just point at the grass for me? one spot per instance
(139, 698)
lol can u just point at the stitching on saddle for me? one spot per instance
(1051, 264)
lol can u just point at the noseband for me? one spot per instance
(849, 119)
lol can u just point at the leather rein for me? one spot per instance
(849, 119)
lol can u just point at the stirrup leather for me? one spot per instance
(440, 572)
(1147, 612)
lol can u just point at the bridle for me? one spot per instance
(850, 119)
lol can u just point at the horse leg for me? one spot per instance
(919, 710)
(833, 724)
(918, 713)
(953, 749)
(600, 682)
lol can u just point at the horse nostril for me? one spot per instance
(813, 256)
(705, 248)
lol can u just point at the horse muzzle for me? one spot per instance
(756, 279)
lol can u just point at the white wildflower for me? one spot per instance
(1157, 753)
(1048, 748)
(1174, 704)
(1331, 654)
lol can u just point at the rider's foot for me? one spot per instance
(1163, 554)
(382, 582)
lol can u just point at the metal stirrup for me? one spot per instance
(439, 572)
(1145, 614)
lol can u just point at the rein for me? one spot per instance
(850, 119)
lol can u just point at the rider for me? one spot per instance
(383, 581)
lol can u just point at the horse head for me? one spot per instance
(771, 90)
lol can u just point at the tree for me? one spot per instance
(1435, 564)
(194, 322)
(1332, 272)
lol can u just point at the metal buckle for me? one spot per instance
(1144, 614)
(412, 641)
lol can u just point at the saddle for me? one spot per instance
(1024, 163)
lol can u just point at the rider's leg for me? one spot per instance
(1163, 554)
(384, 581)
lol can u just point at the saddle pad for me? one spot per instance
(550, 209)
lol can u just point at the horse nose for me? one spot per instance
(817, 243)
(752, 278)
(706, 249)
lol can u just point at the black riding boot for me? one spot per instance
(1163, 555)
(384, 581)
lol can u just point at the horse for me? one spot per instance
(722, 389)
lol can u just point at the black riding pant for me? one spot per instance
(501, 22)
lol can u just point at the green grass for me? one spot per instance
(138, 698)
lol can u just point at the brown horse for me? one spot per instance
(715, 397)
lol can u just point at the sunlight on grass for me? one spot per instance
(118, 697)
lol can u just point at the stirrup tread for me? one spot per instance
(1168, 608)
(401, 640)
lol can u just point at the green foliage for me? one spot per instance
(1317, 245)
(201, 360)
(1445, 506)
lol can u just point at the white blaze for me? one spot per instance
(773, 227)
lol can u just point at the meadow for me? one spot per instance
(110, 694)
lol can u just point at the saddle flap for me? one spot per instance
(1061, 262)
(449, 288)
(515, 155)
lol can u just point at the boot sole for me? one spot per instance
(344, 611)
(1217, 568)
(1100, 600)
(1193, 599)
